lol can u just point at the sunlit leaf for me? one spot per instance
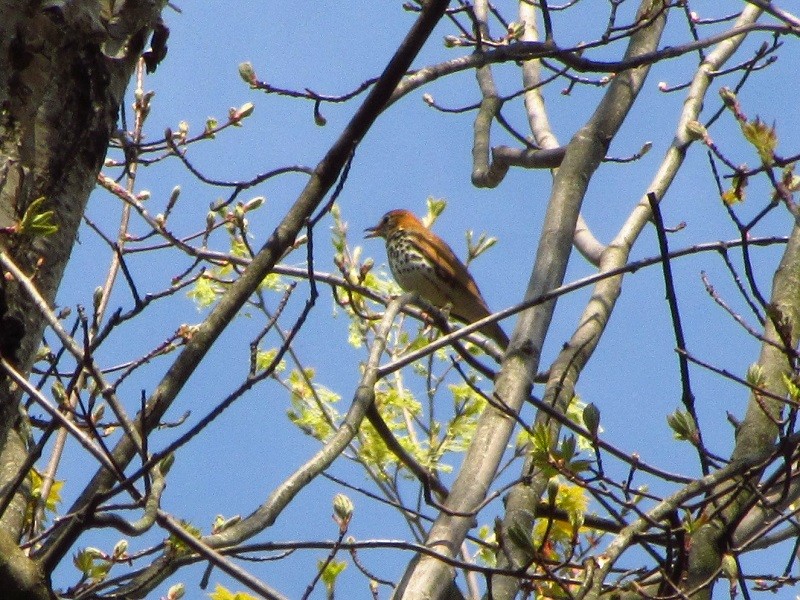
(763, 138)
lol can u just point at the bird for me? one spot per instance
(422, 262)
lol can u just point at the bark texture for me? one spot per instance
(64, 67)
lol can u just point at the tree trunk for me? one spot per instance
(64, 68)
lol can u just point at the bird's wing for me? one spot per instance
(467, 302)
(451, 269)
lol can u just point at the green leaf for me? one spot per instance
(763, 138)
(791, 387)
(204, 292)
(36, 223)
(100, 571)
(515, 30)
(436, 207)
(83, 561)
(736, 193)
(235, 115)
(476, 248)
(576, 413)
(273, 282)
(177, 544)
(568, 448)
(312, 404)
(53, 497)
(683, 426)
(573, 500)
(223, 593)
(265, 358)
(330, 573)
(487, 552)
(697, 131)
(166, 463)
(120, 550)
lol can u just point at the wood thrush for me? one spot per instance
(422, 262)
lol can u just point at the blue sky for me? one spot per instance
(412, 152)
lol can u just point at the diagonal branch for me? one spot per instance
(429, 578)
(265, 515)
(570, 362)
(324, 177)
(756, 435)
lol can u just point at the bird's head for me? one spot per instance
(392, 221)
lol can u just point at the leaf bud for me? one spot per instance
(591, 418)
(247, 72)
(342, 510)
(696, 130)
(176, 592)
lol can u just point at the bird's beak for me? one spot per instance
(373, 232)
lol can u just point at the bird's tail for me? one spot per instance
(496, 333)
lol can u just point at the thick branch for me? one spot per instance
(60, 95)
(428, 578)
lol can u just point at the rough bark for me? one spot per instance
(64, 68)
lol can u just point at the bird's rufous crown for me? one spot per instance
(392, 221)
